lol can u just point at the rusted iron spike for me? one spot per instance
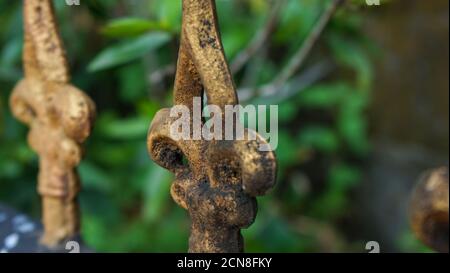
(219, 183)
(429, 209)
(60, 118)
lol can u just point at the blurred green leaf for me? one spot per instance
(287, 150)
(132, 26)
(148, 108)
(156, 192)
(95, 178)
(9, 169)
(131, 128)
(350, 54)
(11, 52)
(128, 50)
(320, 138)
(332, 203)
(133, 82)
(287, 111)
(168, 12)
(352, 125)
(323, 95)
(297, 20)
(343, 176)
(112, 154)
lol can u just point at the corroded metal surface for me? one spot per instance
(60, 118)
(429, 209)
(221, 178)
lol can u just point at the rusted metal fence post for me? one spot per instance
(221, 178)
(429, 209)
(60, 118)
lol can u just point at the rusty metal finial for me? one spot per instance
(60, 118)
(221, 179)
(429, 209)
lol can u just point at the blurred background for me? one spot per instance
(365, 114)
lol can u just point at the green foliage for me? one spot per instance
(128, 27)
(128, 51)
(125, 200)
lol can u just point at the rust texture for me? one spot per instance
(216, 181)
(59, 116)
(429, 209)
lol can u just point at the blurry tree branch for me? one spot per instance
(286, 83)
(260, 39)
(282, 82)
(298, 83)
(301, 55)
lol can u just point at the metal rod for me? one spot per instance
(60, 118)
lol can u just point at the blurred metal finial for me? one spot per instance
(60, 118)
(429, 209)
(221, 178)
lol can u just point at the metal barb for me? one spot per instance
(60, 118)
(219, 183)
